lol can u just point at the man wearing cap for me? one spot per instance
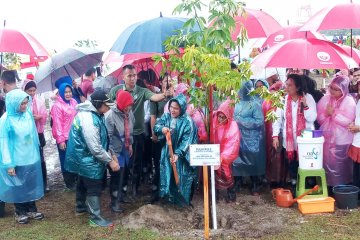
(88, 155)
(140, 95)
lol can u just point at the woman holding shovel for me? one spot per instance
(183, 133)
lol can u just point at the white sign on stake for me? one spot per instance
(204, 154)
(207, 155)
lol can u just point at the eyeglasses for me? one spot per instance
(357, 75)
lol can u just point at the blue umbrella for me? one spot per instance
(148, 36)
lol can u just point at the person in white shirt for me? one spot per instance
(299, 113)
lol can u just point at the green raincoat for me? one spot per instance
(183, 133)
(86, 152)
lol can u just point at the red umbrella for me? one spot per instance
(340, 16)
(257, 23)
(116, 57)
(306, 54)
(355, 52)
(290, 32)
(33, 62)
(143, 64)
(14, 41)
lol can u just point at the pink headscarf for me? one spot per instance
(181, 88)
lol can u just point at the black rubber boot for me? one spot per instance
(93, 204)
(2, 209)
(80, 206)
(255, 186)
(115, 205)
(237, 184)
(231, 194)
(154, 197)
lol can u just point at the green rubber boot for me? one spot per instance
(93, 204)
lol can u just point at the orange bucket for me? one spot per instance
(316, 205)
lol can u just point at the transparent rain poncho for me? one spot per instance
(250, 119)
(19, 146)
(337, 164)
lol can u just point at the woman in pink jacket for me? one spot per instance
(227, 134)
(336, 111)
(40, 114)
(62, 114)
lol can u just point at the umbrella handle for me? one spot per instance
(169, 143)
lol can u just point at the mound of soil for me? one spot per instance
(248, 217)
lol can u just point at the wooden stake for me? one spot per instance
(206, 201)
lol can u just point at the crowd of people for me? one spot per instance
(104, 129)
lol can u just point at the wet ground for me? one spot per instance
(250, 216)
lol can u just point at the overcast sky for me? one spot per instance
(59, 24)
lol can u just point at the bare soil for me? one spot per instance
(248, 217)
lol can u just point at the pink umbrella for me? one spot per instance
(340, 16)
(257, 23)
(290, 32)
(114, 57)
(14, 41)
(355, 52)
(306, 54)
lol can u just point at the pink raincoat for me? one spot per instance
(275, 164)
(338, 139)
(62, 115)
(228, 136)
(38, 108)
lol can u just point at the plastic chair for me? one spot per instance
(306, 179)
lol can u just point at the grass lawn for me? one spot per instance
(61, 223)
(341, 225)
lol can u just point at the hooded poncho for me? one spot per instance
(19, 144)
(337, 164)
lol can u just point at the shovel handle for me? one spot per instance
(307, 192)
(169, 143)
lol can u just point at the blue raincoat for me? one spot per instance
(19, 146)
(183, 133)
(250, 119)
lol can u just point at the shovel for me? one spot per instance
(169, 143)
(181, 198)
(315, 188)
